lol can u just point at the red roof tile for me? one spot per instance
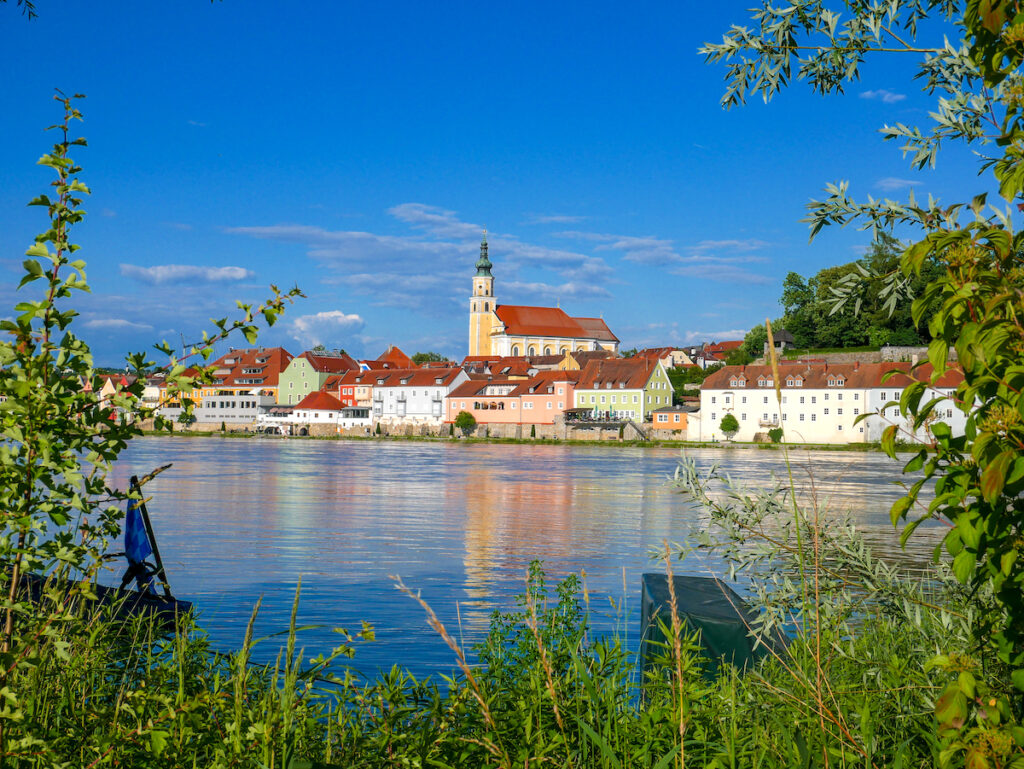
(330, 364)
(520, 320)
(633, 373)
(396, 357)
(239, 368)
(319, 400)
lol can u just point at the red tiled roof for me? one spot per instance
(633, 373)
(331, 364)
(596, 328)
(396, 357)
(520, 320)
(264, 363)
(412, 377)
(321, 401)
(816, 375)
(719, 347)
(544, 379)
(474, 387)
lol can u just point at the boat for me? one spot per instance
(151, 596)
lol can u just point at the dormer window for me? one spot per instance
(836, 381)
(438, 380)
(622, 385)
(794, 381)
(607, 385)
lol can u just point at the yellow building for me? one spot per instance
(514, 330)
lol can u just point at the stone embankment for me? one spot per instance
(560, 431)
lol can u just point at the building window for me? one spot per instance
(764, 417)
(561, 405)
(549, 405)
(814, 417)
(712, 398)
(602, 399)
(856, 412)
(826, 412)
(766, 399)
(839, 427)
(513, 404)
(662, 417)
(826, 396)
(785, 417)
(839, 412)
(801, 417)
(712, 416)
(743, 399)
(743, 417)
(839, 396)
(801, 399)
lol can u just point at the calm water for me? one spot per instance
(239, 519)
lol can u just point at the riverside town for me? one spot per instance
(512, 386)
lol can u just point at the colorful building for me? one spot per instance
(517, 330)
(308, 372)
(623, 388)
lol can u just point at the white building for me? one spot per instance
(413, 396)
(821, 402)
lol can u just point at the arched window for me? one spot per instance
(563, 350)
(532, 350)
(547, 350)
(515, 351)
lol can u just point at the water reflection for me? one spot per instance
(242, 518)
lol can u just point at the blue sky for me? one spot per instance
(358, 150)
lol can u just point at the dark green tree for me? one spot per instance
(427, 357)
(465, 422)
(729, 426)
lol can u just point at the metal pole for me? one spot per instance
(160, 573)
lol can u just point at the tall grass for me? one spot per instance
(853, 689)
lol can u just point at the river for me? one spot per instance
(239, 519)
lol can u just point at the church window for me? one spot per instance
(487, 306)
(532, 350)
(515, 350)
(547, 350)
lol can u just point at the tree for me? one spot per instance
(58, 441)
(738, 357)
(729, 426)
(465, 422)
(975, 291)
(427, 357)
(755, 340)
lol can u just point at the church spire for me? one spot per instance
(483, 264)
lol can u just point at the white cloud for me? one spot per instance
(197, 124)
(110, 213)
(184, 273)
(553, 219)
(720, 271)
(116, 324)
(893, 183)
(883, 95)
(324, 327)
(692, 337)
(427, 271)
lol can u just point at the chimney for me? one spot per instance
(856, 365)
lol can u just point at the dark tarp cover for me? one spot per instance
(707, 605)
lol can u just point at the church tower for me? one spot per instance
(481, 304)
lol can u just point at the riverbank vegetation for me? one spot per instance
(882, 668)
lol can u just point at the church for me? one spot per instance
(514, 330)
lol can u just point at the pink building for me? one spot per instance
(546, 396)
(536, 401)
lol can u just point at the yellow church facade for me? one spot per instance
(515, 330)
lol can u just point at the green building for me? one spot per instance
(308, 372)
(623, 388)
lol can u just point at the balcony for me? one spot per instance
(768, 422)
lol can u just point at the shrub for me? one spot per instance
(466, 422)
(775, 434)
(729, 426)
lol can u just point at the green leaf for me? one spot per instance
(157, 741)
(38, 249)
(963, 565)
(951, 706)
(993, 477)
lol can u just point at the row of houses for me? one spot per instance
(820, 402)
